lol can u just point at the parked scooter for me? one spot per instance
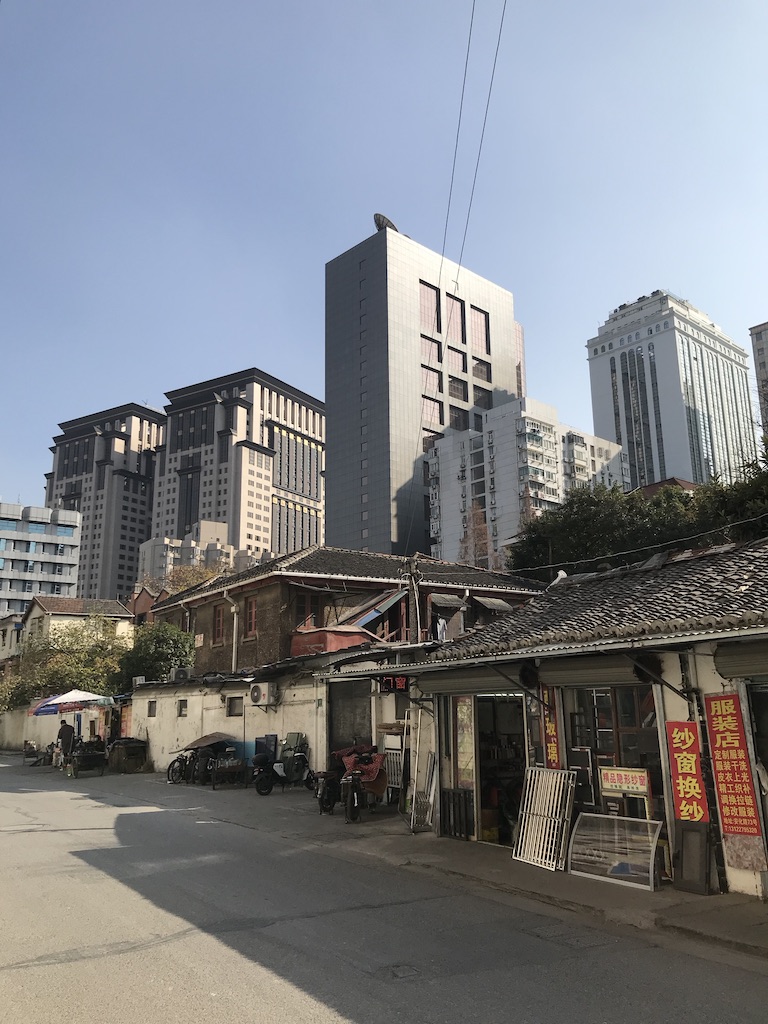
(328, 789)
(363, 784)
(292, 770)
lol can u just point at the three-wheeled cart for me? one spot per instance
(88, 757)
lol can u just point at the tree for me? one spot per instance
(596, 529)
(84, 655)
(182, 577)
(157, 649)
(473, 549)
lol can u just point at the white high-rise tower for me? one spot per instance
(671, 388)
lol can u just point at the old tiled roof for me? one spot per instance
(670, 595)
(370, 566)
(82, 606)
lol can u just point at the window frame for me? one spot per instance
(232, 703)
(251, 608)
(218, 624)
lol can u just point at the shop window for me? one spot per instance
(614, 727)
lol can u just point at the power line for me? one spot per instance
(482, 133)
(456, 145)
(648, 547)
(448, 211)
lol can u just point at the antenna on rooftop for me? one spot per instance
(382, 222)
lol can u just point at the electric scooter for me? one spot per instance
(292, 770)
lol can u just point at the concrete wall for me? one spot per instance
(17, 726)
(167, 733)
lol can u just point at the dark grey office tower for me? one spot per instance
(415, 346)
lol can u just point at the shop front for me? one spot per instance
(483, 756)
(594, 717)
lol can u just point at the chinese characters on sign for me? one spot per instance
(733, 776)
(549, 724)
(684, 744)
(393, 684)
(620, 781)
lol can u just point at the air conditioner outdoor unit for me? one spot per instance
(182, 675)
(262, 694)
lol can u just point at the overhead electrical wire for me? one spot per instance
(419, 444)
(482, 133)
(668, 544)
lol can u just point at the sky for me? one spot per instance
(176, 174)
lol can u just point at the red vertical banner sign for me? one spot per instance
(684, 743)
(734, 783)
(549, 722)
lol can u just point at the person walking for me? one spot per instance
(65, 739)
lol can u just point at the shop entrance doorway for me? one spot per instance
(502, 750)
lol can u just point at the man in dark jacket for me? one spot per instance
(65, 739)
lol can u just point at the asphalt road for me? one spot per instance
(126, 900)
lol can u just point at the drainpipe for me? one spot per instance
(187, 616)
(235, 609)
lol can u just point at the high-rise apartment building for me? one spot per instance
(759, 338)
(484, 485)
(671, 388)
(103, 467)
(415, 345)
(245, 450)
(39, 552)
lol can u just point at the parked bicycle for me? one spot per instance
(185, 767)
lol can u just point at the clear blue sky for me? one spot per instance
(176, 173)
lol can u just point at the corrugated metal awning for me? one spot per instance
(469, 680)
(744, 658)
(446, 601)
(494, 604)
(380, 607)
(588, 670)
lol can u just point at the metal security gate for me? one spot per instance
(545, 817)
(424, 771)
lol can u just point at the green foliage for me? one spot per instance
(603, 528)
(84, 655)
(156, 650)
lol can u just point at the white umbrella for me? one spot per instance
(72, 700)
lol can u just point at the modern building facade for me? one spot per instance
(671, 387)
(204, 546)
(39, 554)
(415, 345)
(759, 337)
(246, 450)
(484, 485)
(103, 468)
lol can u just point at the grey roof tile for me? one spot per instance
(347, 564)
(720, 588)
